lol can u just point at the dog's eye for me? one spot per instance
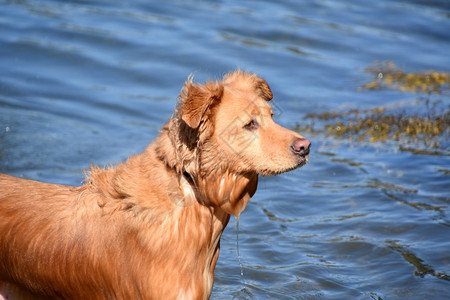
(252, 125)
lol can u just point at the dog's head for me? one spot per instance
(224, 131)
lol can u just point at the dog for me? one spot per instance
(148, 228)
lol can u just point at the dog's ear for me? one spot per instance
(196, 99)
(263, 89)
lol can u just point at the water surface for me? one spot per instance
(91, 82)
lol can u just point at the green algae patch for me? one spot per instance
(420, 126)
(429, 131)
(381, 126)
(388, 76)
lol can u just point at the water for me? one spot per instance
(92, 82)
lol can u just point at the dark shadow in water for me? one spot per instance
(273, 217)
(351, 163)
(441, 217)
(384, 186)
(416, 205)
(422, 269)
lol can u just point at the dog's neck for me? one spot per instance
(229, 192)
(215, 184)
(191, 210)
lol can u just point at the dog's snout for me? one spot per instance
(301, 146)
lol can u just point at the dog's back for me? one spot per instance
(60, 242)
(46, 242)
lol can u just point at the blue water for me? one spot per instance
(91, 82)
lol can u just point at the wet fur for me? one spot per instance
(149, 228)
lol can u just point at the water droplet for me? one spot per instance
(237, 246)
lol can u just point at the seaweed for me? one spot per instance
(429, 127)
(387, 75)
(379, 124)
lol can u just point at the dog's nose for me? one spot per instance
(301, 146)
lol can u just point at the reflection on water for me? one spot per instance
(367, 218)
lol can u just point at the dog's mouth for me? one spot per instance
(300, 161)
(303, 160)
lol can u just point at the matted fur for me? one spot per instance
(148, 228)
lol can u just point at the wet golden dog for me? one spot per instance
(149, 228)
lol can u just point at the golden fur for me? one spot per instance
(149, 228)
